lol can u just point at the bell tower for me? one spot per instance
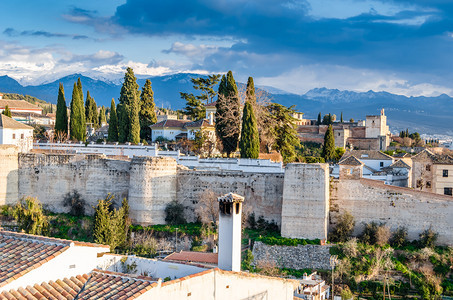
(230, 219)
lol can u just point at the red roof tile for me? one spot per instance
(96, 285)
(169, 123)
(191, 256)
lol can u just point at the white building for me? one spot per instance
(20, 106)
(171, 130)
(15, 133)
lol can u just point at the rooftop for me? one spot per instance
(7, 122)
(18, 104)
(191, 256)
(400, 164)
(367, 154)
(169, 123)
(96, 285)
(351, 161)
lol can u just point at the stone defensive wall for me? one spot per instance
(371, 200)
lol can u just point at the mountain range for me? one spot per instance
(429, 115)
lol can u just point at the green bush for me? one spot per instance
(29, 215)
(174, 213)
(428, 238)
(344, 228)
(399, 237)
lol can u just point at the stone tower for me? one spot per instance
(230, 216)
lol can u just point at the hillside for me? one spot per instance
(430, 115)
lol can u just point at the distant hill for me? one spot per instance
(431, 115)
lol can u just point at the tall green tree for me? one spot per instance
(228, 120)
(30, 216)
(61, 122)
(128, 113)
(341, 117)
(147, 111)
(195, 104)
(7, 111)
(328, 149)
(102, 119)
(250, 91)
(319, 119)
(113, 123)
(77, 121)
(91, 111)
(249, 144)
(286, 139)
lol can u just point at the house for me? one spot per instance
(432, 172)
(19, 106)
(178, 129)
(375, 165)
(102, 132)
(33, 118)
(29, 259)
(15, 133)
(312, 287)
(207, 258)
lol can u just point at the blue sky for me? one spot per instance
(404, 47)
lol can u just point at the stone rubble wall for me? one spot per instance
(263, 192)
(370, 200)
(293, 257)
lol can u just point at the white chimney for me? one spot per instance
(230, 217)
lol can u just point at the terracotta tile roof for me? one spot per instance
(96, 285)
(7, 122)
(191, 256)
(435, 158)
(212, 104)
(21, 253)
(18, 104)
(25, 114)
(350, 161)
(368, 154)
(169, 123)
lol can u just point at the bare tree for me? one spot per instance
(207, 209)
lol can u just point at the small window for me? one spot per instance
(339, 134)
(428, 184)
(448, 191)
(428, 167)
(445, 173)
(238, 207)
(381, 164)
(14, 136)
(22, 136)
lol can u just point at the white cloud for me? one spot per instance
(303, 78)
(194, 52)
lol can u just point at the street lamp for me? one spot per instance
(176, 240)
(333, 262)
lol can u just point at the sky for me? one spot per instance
(400, 46)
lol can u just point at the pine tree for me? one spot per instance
(319, 119)
(61, 122)
(147, 111)
(113, 123)
(250, 142)
(328, 149)
(195, 104)
(341, 117)
(228, 114)
(128, 115)
(286, 139)
(7, 111)
(77, 121)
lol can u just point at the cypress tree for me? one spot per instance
(328, 149)
(61, 122)
(113, 123)
(250, 142)
(341, 117)
(147, 111)
(286, 139)
(319, 119)
(102, 119)
(91, 111)
(228, 115)
(128, 115)
(250, 92)
(7, 111)
(77, 122)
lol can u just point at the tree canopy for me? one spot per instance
(147, 113)
(61, 122)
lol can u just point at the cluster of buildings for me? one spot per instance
(35, 267)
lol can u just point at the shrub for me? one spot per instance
(399, 237)
(174, 213)
(247, 262)
(382, 235)
(344, 228)
(346, 293)
(350, 248)
(75, 203)
(428, 238)
(29, 215)
(368, 235)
